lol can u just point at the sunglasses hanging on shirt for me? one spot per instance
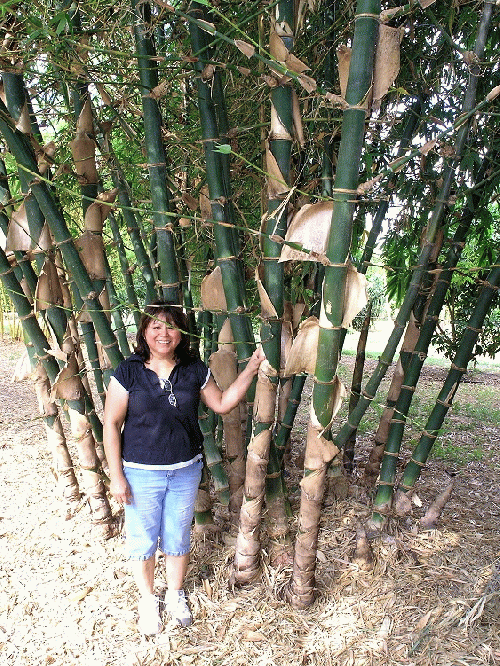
(167, 387)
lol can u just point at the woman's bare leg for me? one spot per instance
(175, 570)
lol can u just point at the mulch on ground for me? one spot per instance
(65, 599)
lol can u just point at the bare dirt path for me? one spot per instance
(432, 598)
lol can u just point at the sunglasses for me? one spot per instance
(167, 386)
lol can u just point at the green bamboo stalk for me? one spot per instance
(126, 269)
(356, 384)
(57, 316)
(246, 566)
(132, 222)
(327, 162)
(116, 317)
(458, 368)
(226, 239)
(412, 122)
(155, 152)
(92, 471)
(213, 458)
(226, 248)
(396, 430)
(480, 192)
(318, 449)
(21, 149)
(435, 223)
(413, 371)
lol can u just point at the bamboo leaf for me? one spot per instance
(277, 47)
(223, 364)
(297, 119)
(223, 148)
(493, 94)
(336, 100)
(309, 84)
(68, 385)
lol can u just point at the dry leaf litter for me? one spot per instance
(432, 598)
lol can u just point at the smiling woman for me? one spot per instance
(154, 449)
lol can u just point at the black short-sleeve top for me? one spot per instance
(155, 432)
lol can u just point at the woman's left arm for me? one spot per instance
(223, 402)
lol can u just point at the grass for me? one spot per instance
(471, 425)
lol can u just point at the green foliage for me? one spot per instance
(477, 258)
(460, 304)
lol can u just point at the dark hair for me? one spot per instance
(175, 316)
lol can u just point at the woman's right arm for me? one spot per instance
(115, 410)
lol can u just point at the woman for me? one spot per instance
(154, 449)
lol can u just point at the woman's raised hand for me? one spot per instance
(256, 359)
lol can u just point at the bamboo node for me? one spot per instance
(365, 395)
(418, 463)
(376, 17)
(392, 454)
(158, 164)
(24, 317)
(343, 190)
(158, 283)
(385, 483)
(455, 367)
(111, 344)
(474, 330)
(273, 475)
(408, 388)
(428, 434)
(444, 403)
(66, 240)
(330, 383)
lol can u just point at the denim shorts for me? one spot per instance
(161, 510)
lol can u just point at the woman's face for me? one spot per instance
(162, 338)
